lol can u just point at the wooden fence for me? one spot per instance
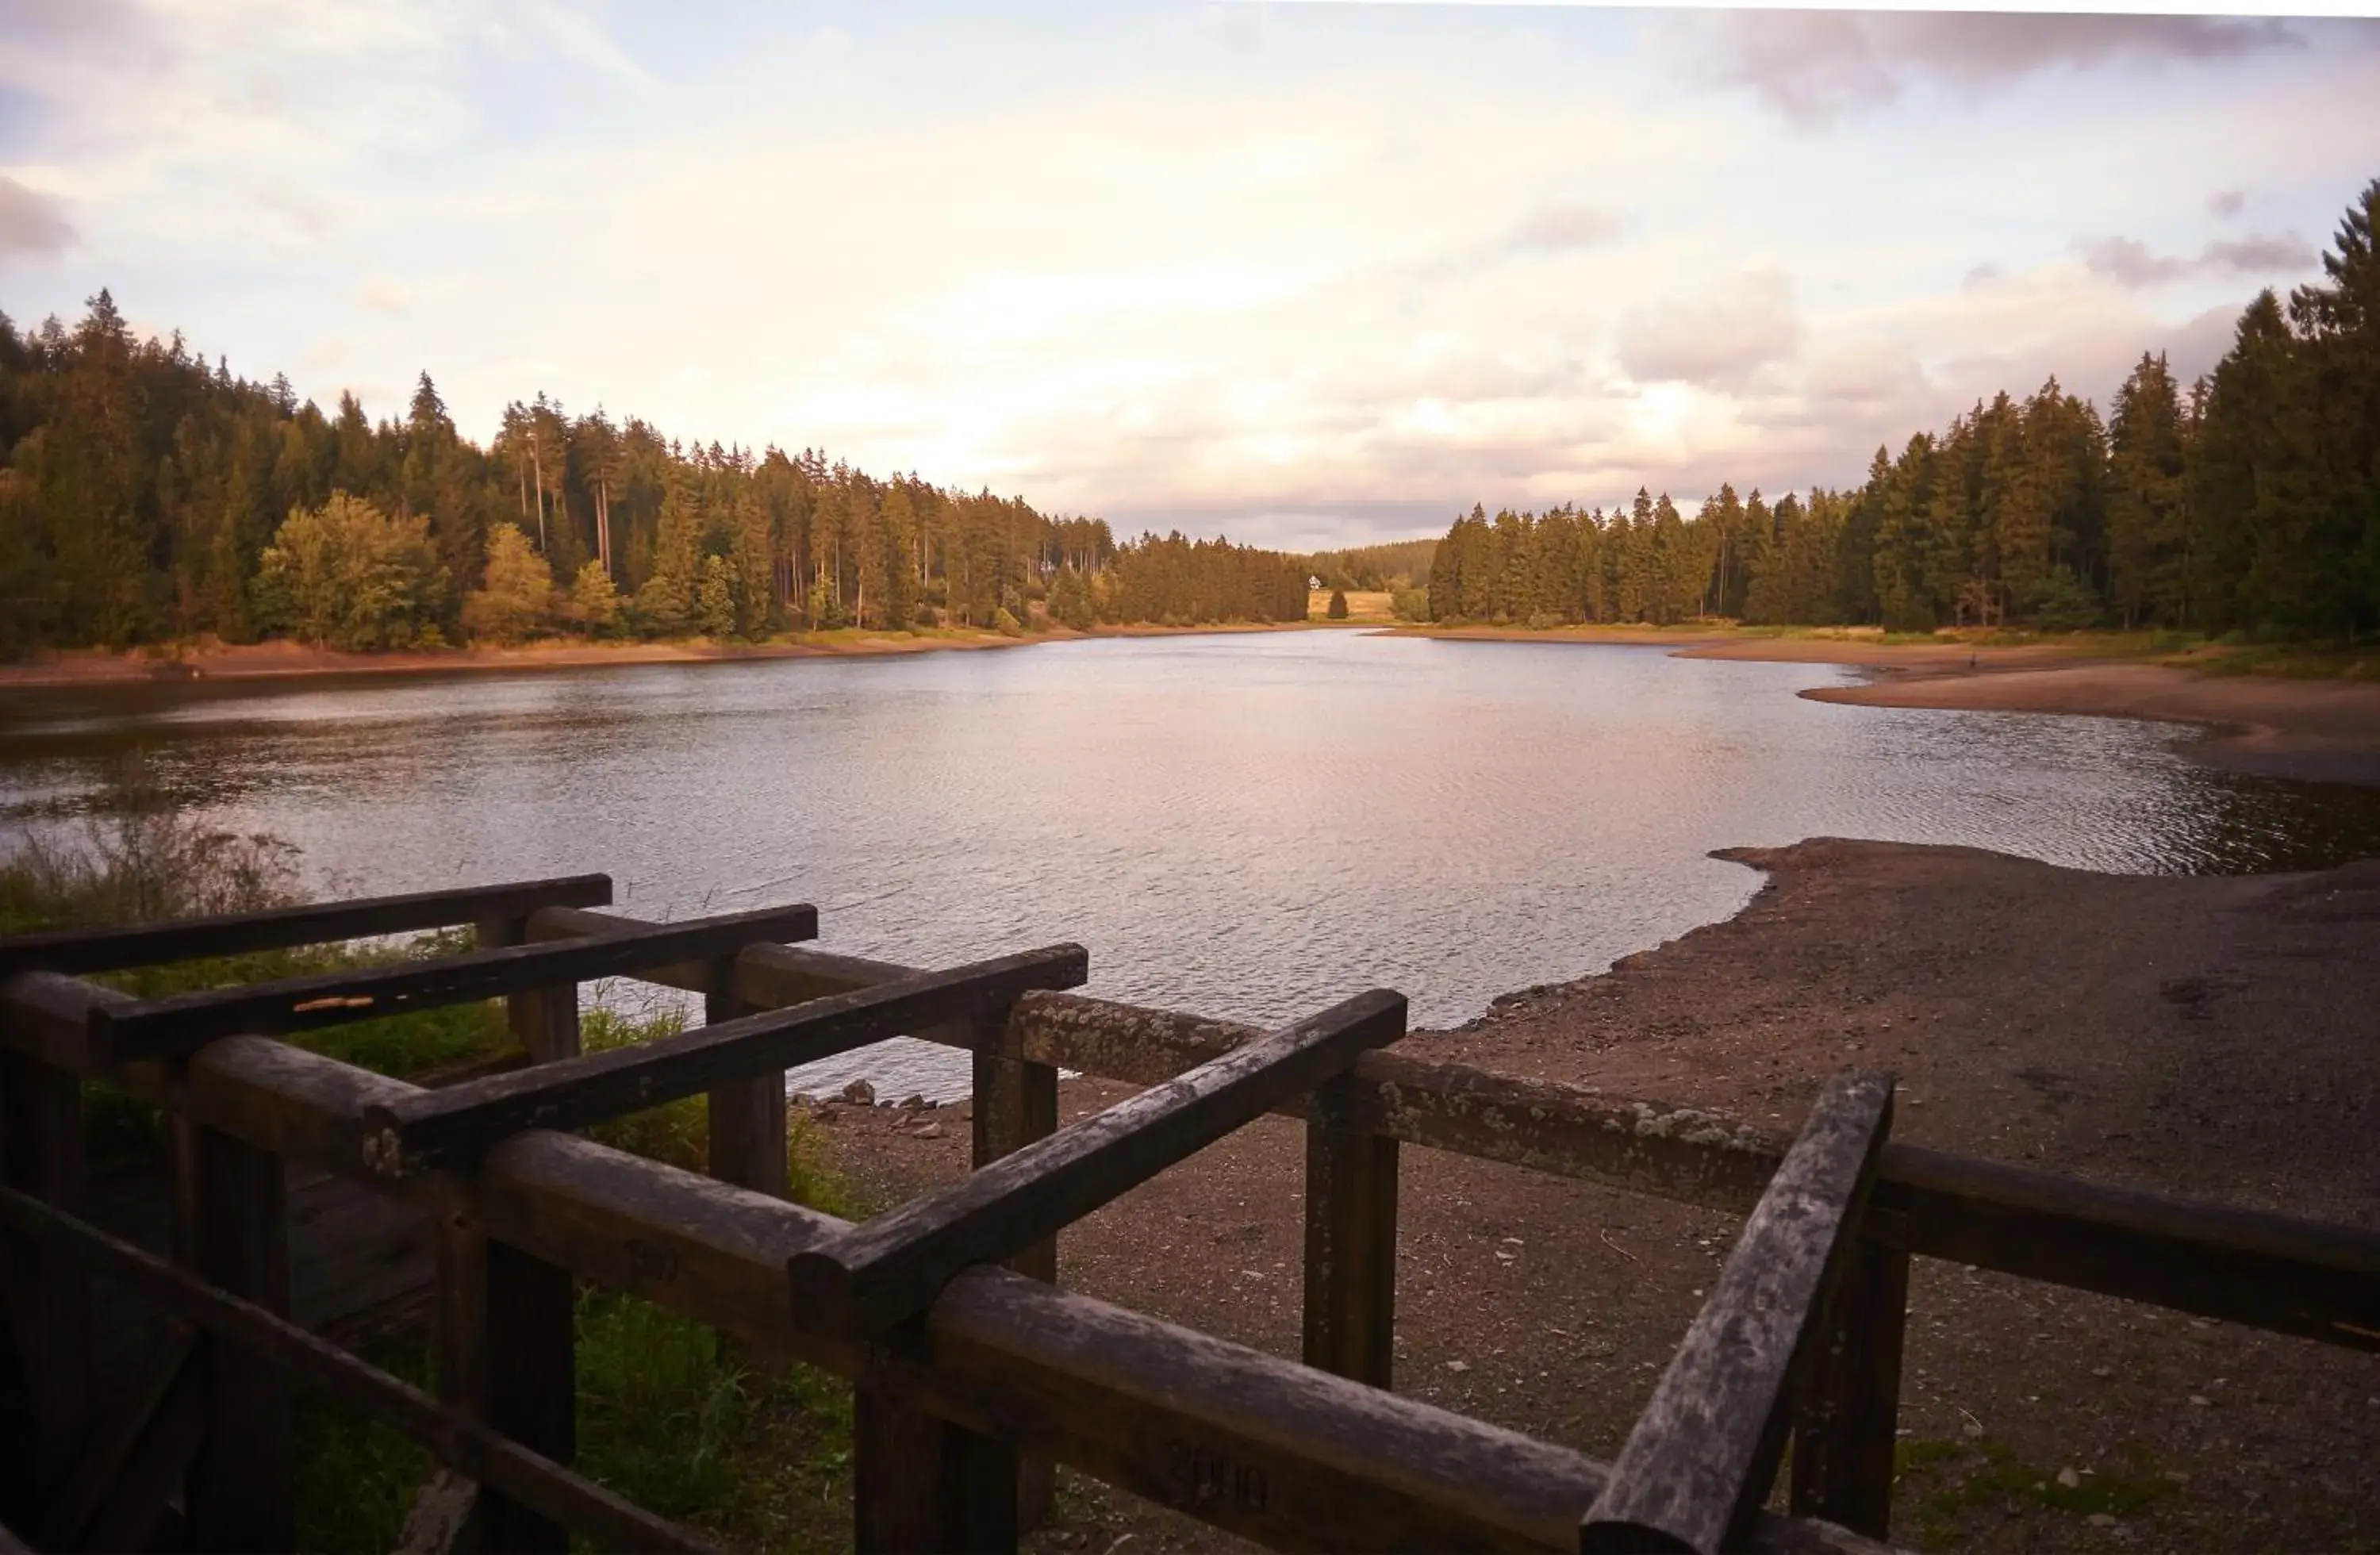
(972, 1372)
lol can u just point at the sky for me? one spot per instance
(1309, 275)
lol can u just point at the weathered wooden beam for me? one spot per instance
(158, 1028)
(242, 1491)
(2283, 1273)
(1848, 1425)
(442, 1512)
(1006, 1357)
(889, 1269)
(747, 1118)
(470, 1446)
(155, 944)
(115, 1441)
(48, 1294)
(155, 1472)
(543, 1020)
(1351, 1245)
(1699, 1462)
(2276, 1272)
(1016, 1104)
(532, 1387)
(922, 1485)
(441, 1128)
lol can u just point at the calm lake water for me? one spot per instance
(1247, 826)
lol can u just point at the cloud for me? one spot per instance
(1813, 67)
(31, 221)
(1981, 276)
(1564, 229)
(2130, 263)
(1715, 340)
(2227, 204)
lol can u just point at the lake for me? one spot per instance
(1247, 825)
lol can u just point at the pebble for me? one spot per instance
(2200, 1400)
(912, 1102)
(2068, 1479)
(859, 1093)
(2101, 1520)
(1458, 1366)
(931, 1131)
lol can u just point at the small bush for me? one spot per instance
(1338, 610)
(1006, 624)
(1410, 604)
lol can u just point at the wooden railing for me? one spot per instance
(971, 1377)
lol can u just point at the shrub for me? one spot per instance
(2061, 602)
(1338, 610)
(1410, 604)
(1006, 624)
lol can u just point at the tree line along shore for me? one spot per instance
(2248, 504)
(147, 498)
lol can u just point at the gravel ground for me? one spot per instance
(2218, 1037)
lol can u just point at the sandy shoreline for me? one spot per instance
(270, 660)
(2202, 1036)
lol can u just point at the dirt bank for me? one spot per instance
(2322, 731)
(2213, 1037)
(2319, 730)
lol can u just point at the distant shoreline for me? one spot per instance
(282, 660)
(2310, 730)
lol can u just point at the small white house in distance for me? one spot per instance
(1312, 581)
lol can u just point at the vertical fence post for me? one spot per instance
(507, 1344)
(1351, 1245)
(748, 1117)
(242, 1492)
(1845, 1429)
(47, 1297)
(1016, 1104)
(921, 1485)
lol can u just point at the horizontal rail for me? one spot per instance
(446, 1128)
(159, 1027)
(156, 945)
(470, 1446)
(2283, 1273)
(1243, 1439)
(2277, 1272)
(887, 1271)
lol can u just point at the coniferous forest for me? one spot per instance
(2248, 502)
(147, 496)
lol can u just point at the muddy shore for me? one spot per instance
(269, 660)
(2204, 1036)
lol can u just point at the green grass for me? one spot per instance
(1954, 1481)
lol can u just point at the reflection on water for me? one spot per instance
(1244, 825)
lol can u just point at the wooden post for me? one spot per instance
(1848, 1419)
(48, 1294)
(1351, 1245)
(1016, 1104)
(921, 1485)
(240, 1493)
(507, 1342)
(748, 1117)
